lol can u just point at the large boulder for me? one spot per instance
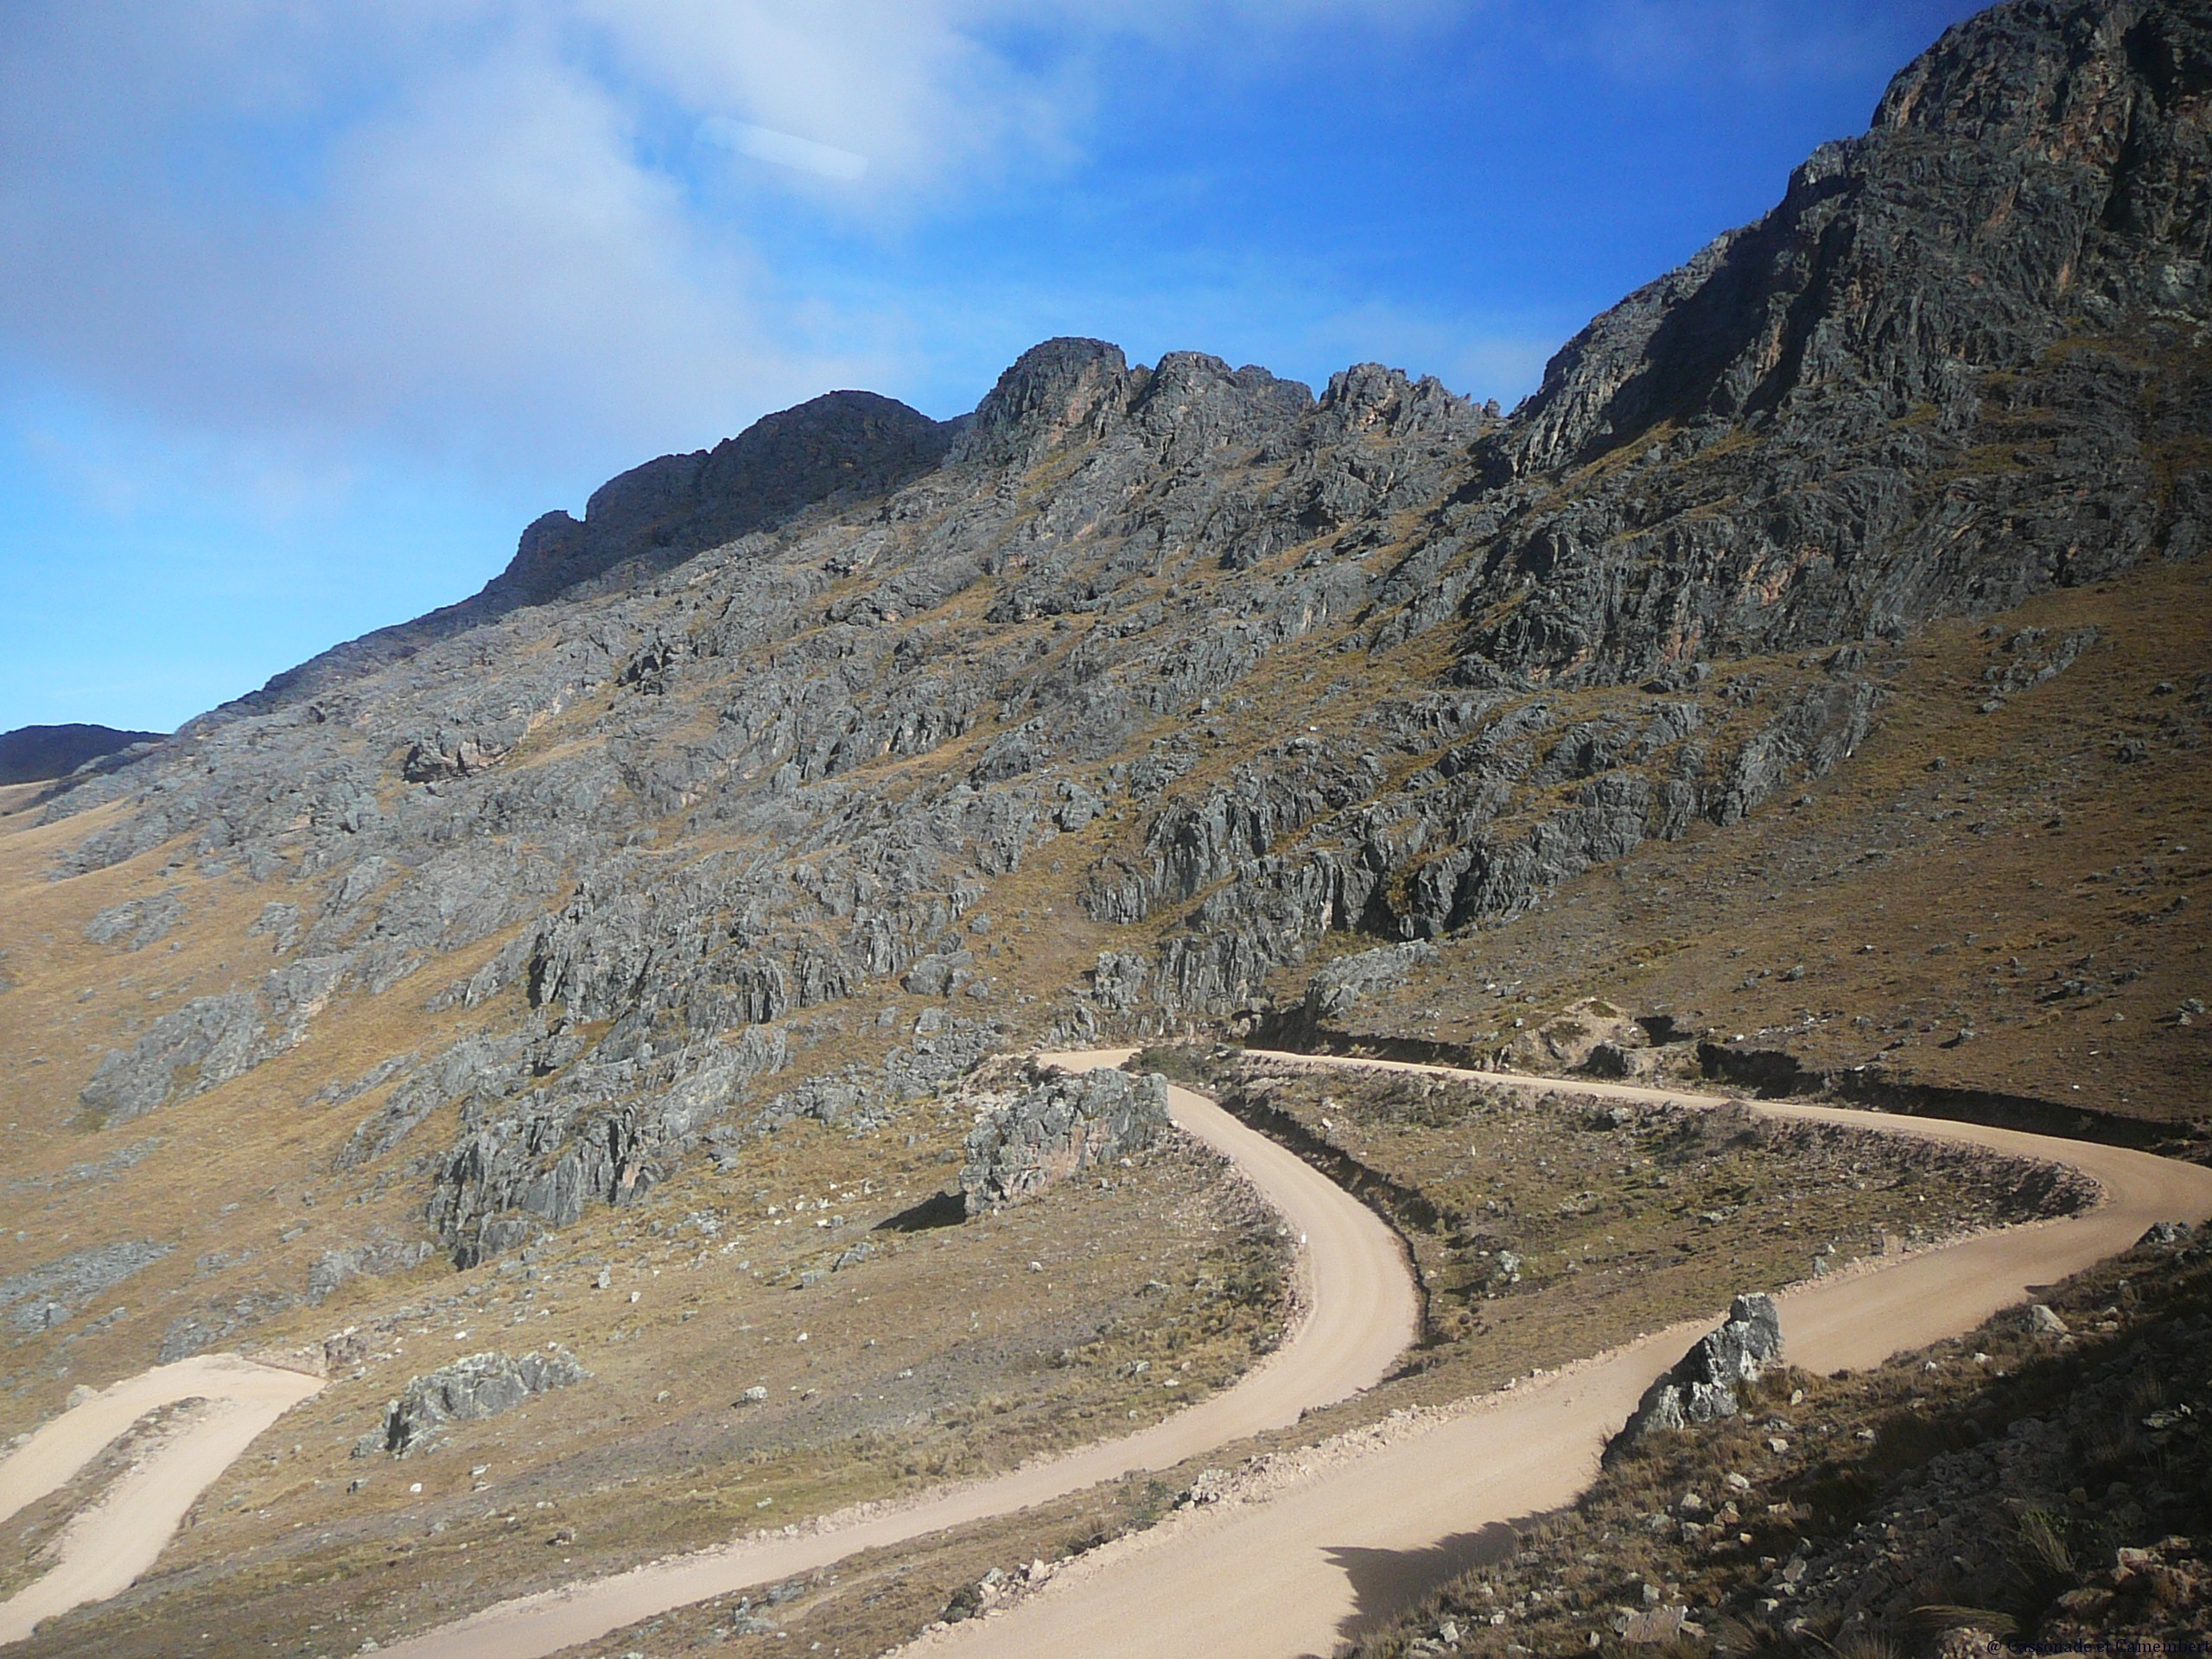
(1056, 1127)
(480, 1385)
(375, 1258)
(1701, 1387)
(1590, 1036)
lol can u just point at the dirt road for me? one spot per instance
(109, 1545)
(1360, 1312)
(1357, 1543)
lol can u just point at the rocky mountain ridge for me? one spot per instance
(803, 772)
(32, 754)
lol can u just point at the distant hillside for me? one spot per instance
(31, 753)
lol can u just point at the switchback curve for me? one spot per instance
(1365, 1537)
(107, 1546)
(1278, 1578)
(1359, 1312)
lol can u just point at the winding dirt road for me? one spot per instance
(1360, 1313)
(109, 1545)
(1350, 1546)
(1344, 1547)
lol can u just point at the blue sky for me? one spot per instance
(306, 307)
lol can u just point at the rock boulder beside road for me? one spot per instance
(1056, 1127)
(1701, 1387)
(480, 1385)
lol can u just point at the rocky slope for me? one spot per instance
(802, 772)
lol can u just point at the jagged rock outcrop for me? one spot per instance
(211, 1040)
(374, 1259)
(1234, 669)
(1701, 1386)
(1054, 1127)
(842, 446)
(1905, 391)
(40, 1298)
(1336, 990)
(137, 923)
(846, 445)
(603, 1131)
(479, 1385)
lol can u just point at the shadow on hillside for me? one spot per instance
(938, 1210)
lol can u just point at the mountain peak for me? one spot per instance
(36, 753)
(2040, 161)
(841, 445)
(1054, 391)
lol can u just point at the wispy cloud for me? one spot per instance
(784, 149)
(1763, 42)
(477, 226)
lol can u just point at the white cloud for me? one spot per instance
(784, 149)
(430, 233)
(474, 226)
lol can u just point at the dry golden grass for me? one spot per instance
(1906, 891)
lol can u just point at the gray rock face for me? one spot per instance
(137, 923)
(480, 1385)
(845, 445)
(2031, 656)
(729, 765)
(479, 1070)
(43, 1297)
(1055, 1127)
(378, 1257)
(209, 1040)
(604, 1131)
(1336, 990)
(2039, 176)
(1058, 392)
(1701, 1387)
